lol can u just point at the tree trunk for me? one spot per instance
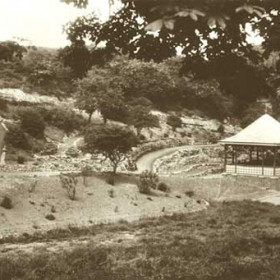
(115, 169)
(89, 117)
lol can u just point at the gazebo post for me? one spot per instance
(225, 159)
(262, 161)
(274, 161)
(235, 160)
(250, 155)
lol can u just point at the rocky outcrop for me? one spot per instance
(190, 159)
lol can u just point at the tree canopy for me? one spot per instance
(114, 142)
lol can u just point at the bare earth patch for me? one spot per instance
(96, 202)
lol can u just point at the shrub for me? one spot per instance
(110, 180)
(174, 121)
(183, 134)
(33, 186)
(72, 152)
(111, 193)
(50, 149)
(69, 182)
(6, 203)
(50, 217)
(213, 139)
(148, 181)
(64, 119)
(32, 122)
(189, 193)
(21, 160)
(163, 187)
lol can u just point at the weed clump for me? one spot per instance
(50, 217)
(163, 187)
(6, 203)
(69, 182)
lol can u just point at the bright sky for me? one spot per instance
(41, 21)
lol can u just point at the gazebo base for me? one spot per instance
(253, 170)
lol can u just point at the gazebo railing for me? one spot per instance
(252, 170)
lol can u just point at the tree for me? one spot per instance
(77, 57)
(32, 122)
(10, 50)
(85, 99)
(174, 121)
(253, 112)
(113, 142)
(140, 117)
(100, 90)
(46, 74)
(111, 105)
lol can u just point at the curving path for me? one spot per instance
(146, 162)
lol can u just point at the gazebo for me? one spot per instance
(254, 150)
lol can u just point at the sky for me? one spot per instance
(41, 21)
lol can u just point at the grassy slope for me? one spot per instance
(231, 240)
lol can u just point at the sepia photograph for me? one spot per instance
(139, 139)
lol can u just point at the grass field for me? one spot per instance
(229, 241)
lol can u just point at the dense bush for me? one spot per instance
(50, 149)
(6, 203)
(16, 138)
(21, 160)
(62, 118)
(163, 187)
(32, 122)
(174, 121)
(148, 181)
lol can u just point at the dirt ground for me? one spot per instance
(96, 202)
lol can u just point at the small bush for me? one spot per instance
(183, 134)
(72, 152)
(174, 121)
(148, 181)
(6, 203)
(50, 217)
(21, 160)
(111, 193)
(163, 187)
(189, 193)
(213, 139)
(33, 186)
(110, 180)
(50, 149)
(69, 182)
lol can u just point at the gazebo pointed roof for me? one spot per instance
(265, 131)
